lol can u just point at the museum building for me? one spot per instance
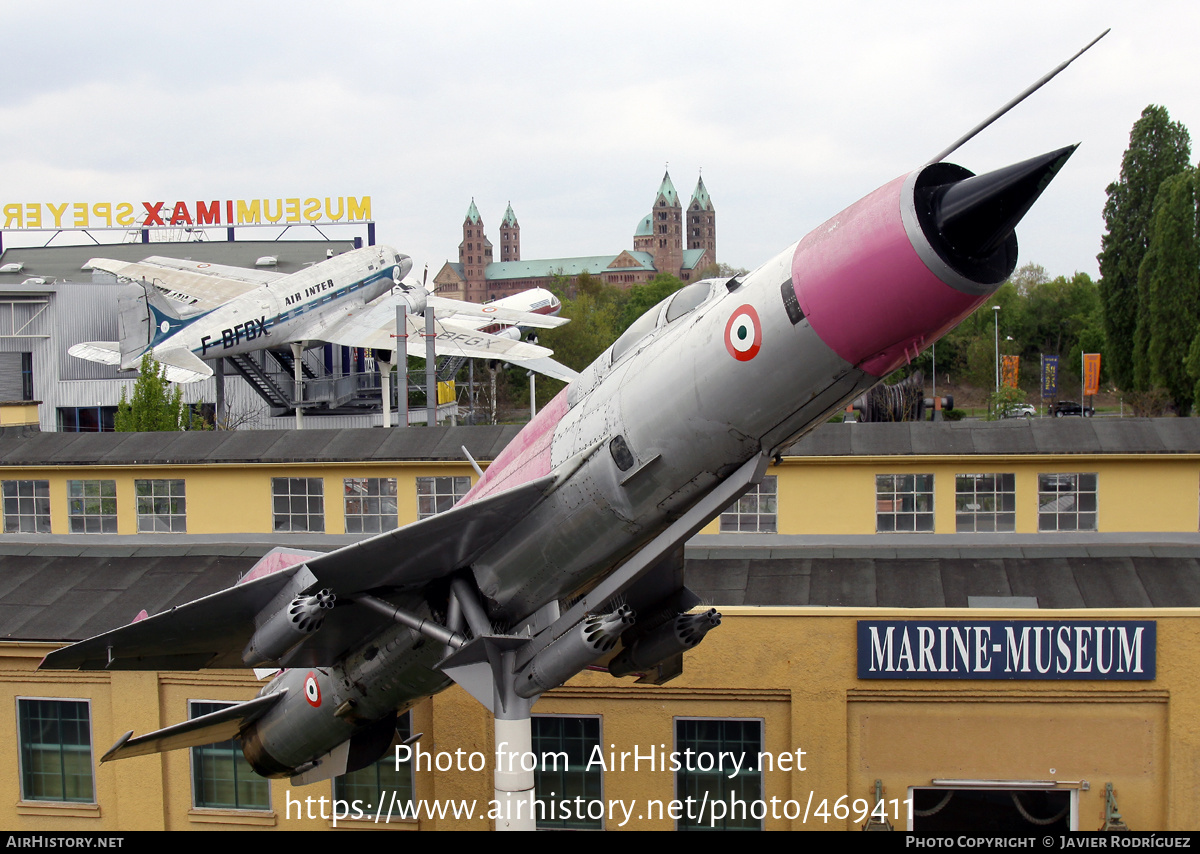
(993, 622)
(52, 299)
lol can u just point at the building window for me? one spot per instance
(26, 506)
(1067, 502)
(381, 787)
(985, 503)
(370, 504)
(438, 494)
(16, 369)
(755, 512)
(564, 746)
(92, 506)
(26, 376)
(710, 738)
(200, 416)
(221, 776)
(56, 750)
(87, 419)
(903, 502)
(299, 503)
(161, 506)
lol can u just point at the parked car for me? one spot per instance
(1070, 407)
(1019, 410)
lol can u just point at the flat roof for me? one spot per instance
(1062, 436)
(77, 586)
(418, 444)
(64, 263)
(1073, 435)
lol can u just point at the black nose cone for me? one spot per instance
(970, 220)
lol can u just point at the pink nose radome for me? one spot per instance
(892, 273)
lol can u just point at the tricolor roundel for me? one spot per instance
(312, 691)
(743, 333)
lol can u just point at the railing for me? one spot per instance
(335, 391)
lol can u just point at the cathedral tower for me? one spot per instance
(667, 217)
(474, 254)
(510, 236)
(702, 222)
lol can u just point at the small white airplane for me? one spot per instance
(186, 312)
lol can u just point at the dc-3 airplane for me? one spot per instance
(184, 312)
(592, 502)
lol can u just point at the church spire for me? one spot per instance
(666, 192)
(702, 223)
(473, 213)
(510, 236)
(667, 246)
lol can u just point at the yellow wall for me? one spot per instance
(817, 495)
(836, 495)
(234, 499)
(1136, 493)
(792, 668)
(18, 413)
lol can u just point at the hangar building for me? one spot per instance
(994, 622)
(51, 300)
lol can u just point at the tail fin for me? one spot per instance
(145, 317)
(217, 726)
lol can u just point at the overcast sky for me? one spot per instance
(570, 111)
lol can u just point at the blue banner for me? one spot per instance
(1007, 649)
(1049, 377)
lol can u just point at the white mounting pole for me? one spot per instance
(431, 401)
(385, 390)
(297, 355)
(514, 785)
(402, 365)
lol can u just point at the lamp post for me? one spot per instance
(996, 314)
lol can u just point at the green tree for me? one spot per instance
(1028, 277)
(999, 402)
(1038, 315)
(1158, 149)
(1170, 280)
(721, 271)
(595, 309)
(155, 405)
(1063, 317)
(599, 313)
(642, 298)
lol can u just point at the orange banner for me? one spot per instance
(1091, 373)
(1008, 370)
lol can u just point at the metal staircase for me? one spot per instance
(262, 381)
(285, 361)
(448, 369)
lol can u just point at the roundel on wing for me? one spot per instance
(164, 327)
(312, 691)
(743, 333)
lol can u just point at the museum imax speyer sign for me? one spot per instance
(216, 212)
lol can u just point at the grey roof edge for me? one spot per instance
(257, 446)
(1058, 436)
